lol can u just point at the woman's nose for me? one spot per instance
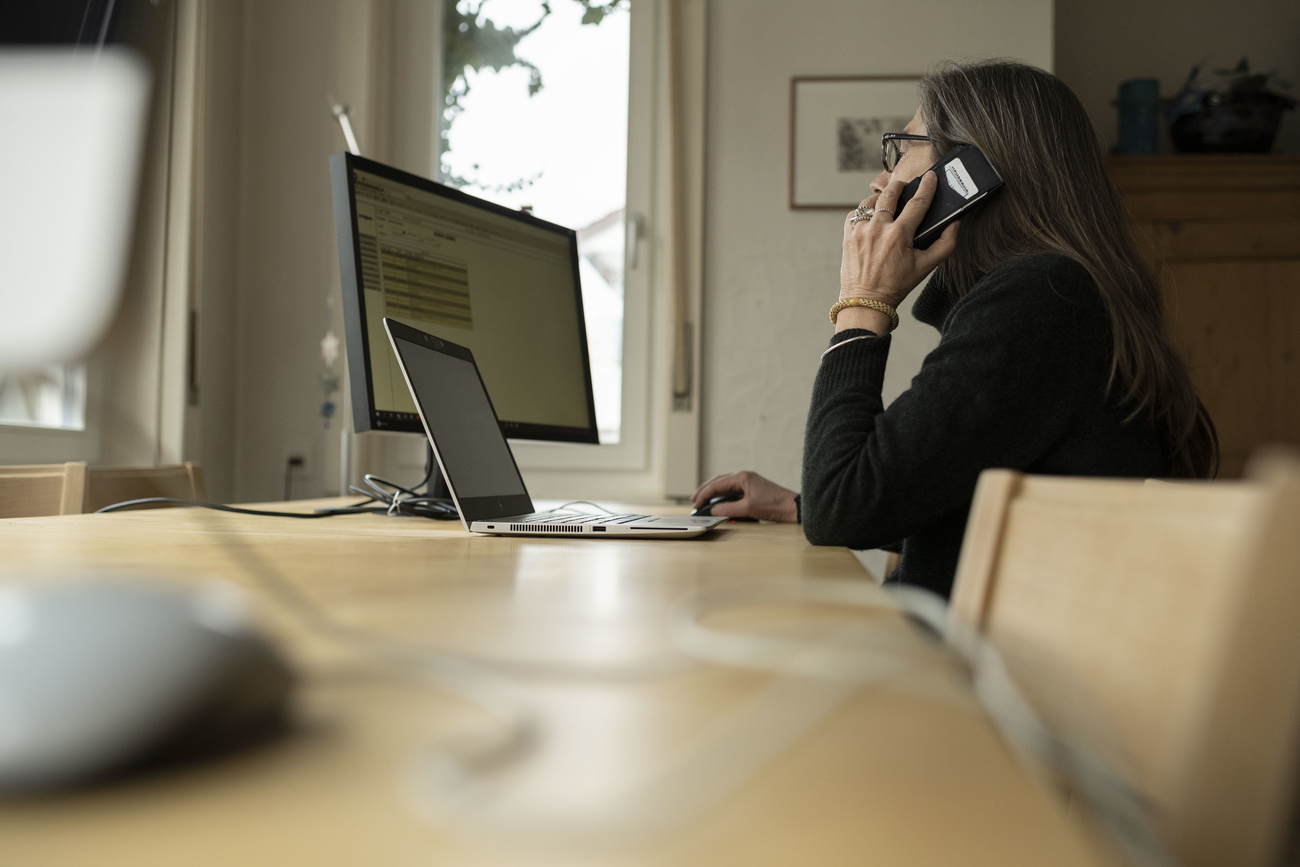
(879, 182)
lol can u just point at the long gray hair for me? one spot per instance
(1059, 198)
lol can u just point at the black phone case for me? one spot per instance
(966, 178)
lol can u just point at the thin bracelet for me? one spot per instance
(865, 302)
(847, 342)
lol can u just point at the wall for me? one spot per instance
(1100, 43)
(770, 272)
(130, 361)
(216, 263)
(287, 268)
(266, 269)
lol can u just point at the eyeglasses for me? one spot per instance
(889, 149)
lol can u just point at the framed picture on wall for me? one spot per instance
(835, 130)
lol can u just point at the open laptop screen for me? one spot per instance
(460, 421)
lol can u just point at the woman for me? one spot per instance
(1054, 355)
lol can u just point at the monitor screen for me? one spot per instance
(502, 283)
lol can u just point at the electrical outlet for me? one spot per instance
(300, 467)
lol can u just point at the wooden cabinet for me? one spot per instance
(1223, 233)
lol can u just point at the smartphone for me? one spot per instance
(966, 177)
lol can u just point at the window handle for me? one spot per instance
(635, 225)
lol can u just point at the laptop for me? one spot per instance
(476, 461)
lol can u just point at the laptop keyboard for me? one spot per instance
(578, 518)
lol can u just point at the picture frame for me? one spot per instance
(835, 128)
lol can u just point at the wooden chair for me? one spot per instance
(1157, 625)
(108, 485)
(72, 488)
(42, 489)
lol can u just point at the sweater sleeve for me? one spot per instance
(998, 391)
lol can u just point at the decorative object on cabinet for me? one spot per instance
(1238, 113)
(1139, 115)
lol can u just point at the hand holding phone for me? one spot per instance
(879, 260)
(966, 178)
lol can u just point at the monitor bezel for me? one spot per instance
(365, 417)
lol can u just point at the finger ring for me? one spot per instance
(861, 213)
(886, 210)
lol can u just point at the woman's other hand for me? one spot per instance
(759, 498)
(879, 260)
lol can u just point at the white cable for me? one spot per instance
(1122, 811)
(499, 695)
(564, 506)
(852, 654)
(813, 680)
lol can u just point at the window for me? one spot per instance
(656, 239)
(52, 415)
(52, 397)
(652, 99)
(547, 131)
(75, 412)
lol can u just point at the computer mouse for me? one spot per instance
(729, 497)
(102, 677)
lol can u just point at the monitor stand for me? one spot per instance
(435, 484)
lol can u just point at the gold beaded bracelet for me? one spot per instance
(865, 302)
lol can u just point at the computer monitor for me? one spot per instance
(501, 282)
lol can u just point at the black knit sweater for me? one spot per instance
(1018, 380)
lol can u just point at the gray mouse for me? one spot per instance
(102, 677)
(728, 497)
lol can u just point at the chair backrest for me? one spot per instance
(73, 488)
(108, 485)
(1159, 626)
(42, 489)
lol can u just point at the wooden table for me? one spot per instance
(822, 773)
